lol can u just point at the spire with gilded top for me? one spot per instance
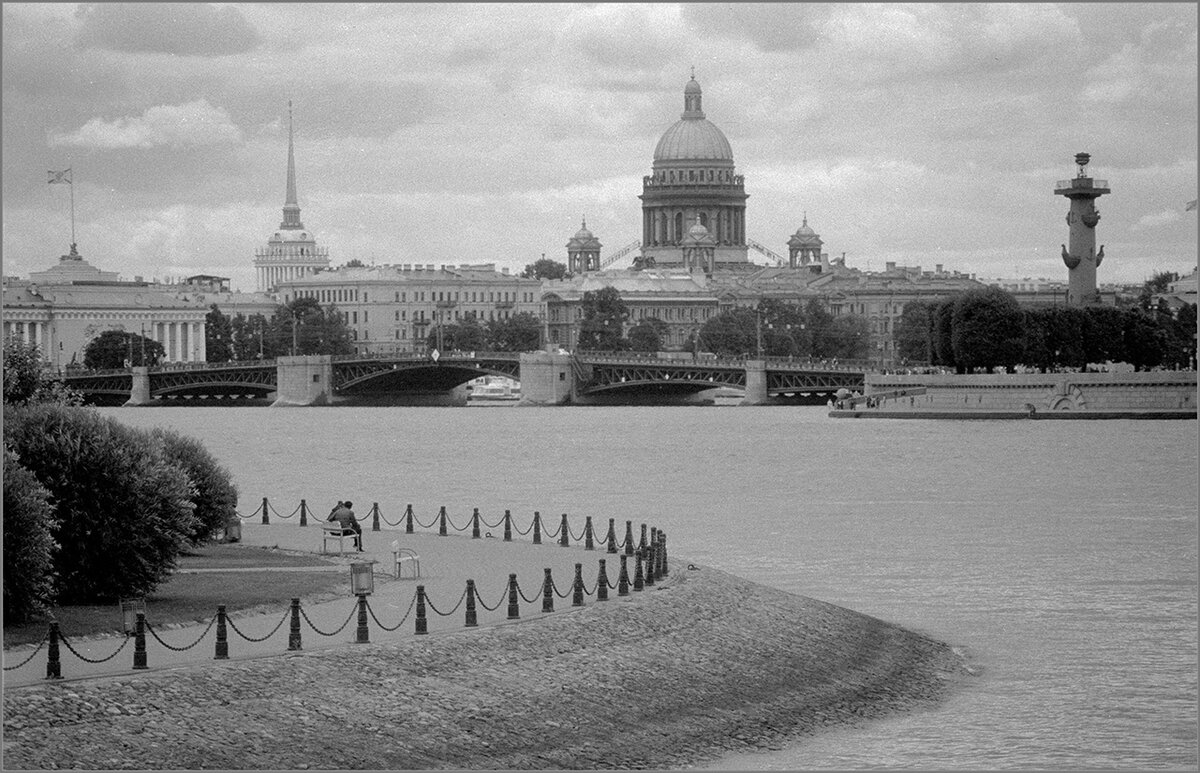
(291, 206)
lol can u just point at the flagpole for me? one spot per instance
(71, 182)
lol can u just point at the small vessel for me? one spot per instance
(493, 389)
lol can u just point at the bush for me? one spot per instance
(123, 509)
(28, 546)
(215, 496)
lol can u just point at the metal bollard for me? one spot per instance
(537, 528)
(623, 578)
(475, 524)
(507, 526)
(362, 635)
(548, 592)
(222, 648)
(629, 538)
(422, 623)
(602, 583)
(662, 542)
(53, 663)
(577, 600)
(649, 556)
(639, 579)
(375, 517)
(408, 520)
(303, 513)
(471, 615)
(514, 608)
(587, 534)
(611, 539)
(139, 642)
(294, 626)
(564, 539)
(442, 522)
(266, 518)
(642, 543)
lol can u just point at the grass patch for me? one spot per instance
(186, 598)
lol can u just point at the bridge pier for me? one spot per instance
(756, 383)
(546, 378)
(140, 393)
(303, 380)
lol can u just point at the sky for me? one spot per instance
(472, 133)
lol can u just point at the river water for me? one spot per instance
(1060, 556)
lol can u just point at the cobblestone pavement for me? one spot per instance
(666, 678)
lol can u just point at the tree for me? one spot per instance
(354, 263)
(215, 496)
(603, 324)
(1102, 328)
(522, 332)
(914, 331)
(115, 348)
(730, 333)
(646, 335)
(303, 326)
(544, 269)
(1145, 339)
(785, 329)
(943, 341)
(849, 337)
(123, 511)
(986, 329)
(218, 336)
(28, 545)
(249, 338)
(466, 335)
(1181, 340)
(25, 377)
(1155, 285)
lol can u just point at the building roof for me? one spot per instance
(693, 137)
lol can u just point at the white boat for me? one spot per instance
(489, 389)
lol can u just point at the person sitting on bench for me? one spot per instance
(345, 518)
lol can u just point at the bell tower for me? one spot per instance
(583, 251)
(1081, 258)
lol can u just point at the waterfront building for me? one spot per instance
(292, 251)
(692, 179)
(393, 308)
(63, 308)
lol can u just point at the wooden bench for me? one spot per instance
(331, 530)
(402, 556)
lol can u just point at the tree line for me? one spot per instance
(987, 330)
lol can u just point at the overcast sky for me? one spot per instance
(921, 134)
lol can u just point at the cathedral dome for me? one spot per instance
(693, 137)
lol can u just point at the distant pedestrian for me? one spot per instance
(344, 516)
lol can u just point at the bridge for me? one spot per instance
(416, 379)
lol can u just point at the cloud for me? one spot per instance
(186, 29)
(1156, 220)
(191, 124)
(773, 27)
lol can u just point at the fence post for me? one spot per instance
(662, 540)
(623, 578)
(139, 642)
(422, 623)
(53, 664)
(303, 513)
(507, 526)
(362, 635)
(565, 538)
(537, 528)
(639, 579)
(294, 626)
(642, 543)
(629, 538)
(587, 534)
(222, 648)
(471, 615)
(442, 522)
(375, 517)
(548, 592)
(650, 561)
(602, 583)
(514, 609)
(475, 524)
(612, 536)
(577, 599)
(408, 519)
(266, 518)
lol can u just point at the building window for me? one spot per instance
(354, 316)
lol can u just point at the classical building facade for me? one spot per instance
(394, 308)
(693, 180)
(292, 251)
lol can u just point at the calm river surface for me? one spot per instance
(1061, 556)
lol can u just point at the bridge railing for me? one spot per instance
(798, 363)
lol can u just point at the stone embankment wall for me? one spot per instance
(1150, 391)
(704, 664)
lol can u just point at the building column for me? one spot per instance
(202, 343)
(173, 354)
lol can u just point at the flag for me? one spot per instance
(60, 177)
(1190, 206)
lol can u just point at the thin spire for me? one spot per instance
(291, 206)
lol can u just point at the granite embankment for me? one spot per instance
(700, 665)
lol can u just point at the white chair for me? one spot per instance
(402, 556)
(331, 530)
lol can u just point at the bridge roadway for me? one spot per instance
(357, 379)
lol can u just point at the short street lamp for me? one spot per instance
(129, 612)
